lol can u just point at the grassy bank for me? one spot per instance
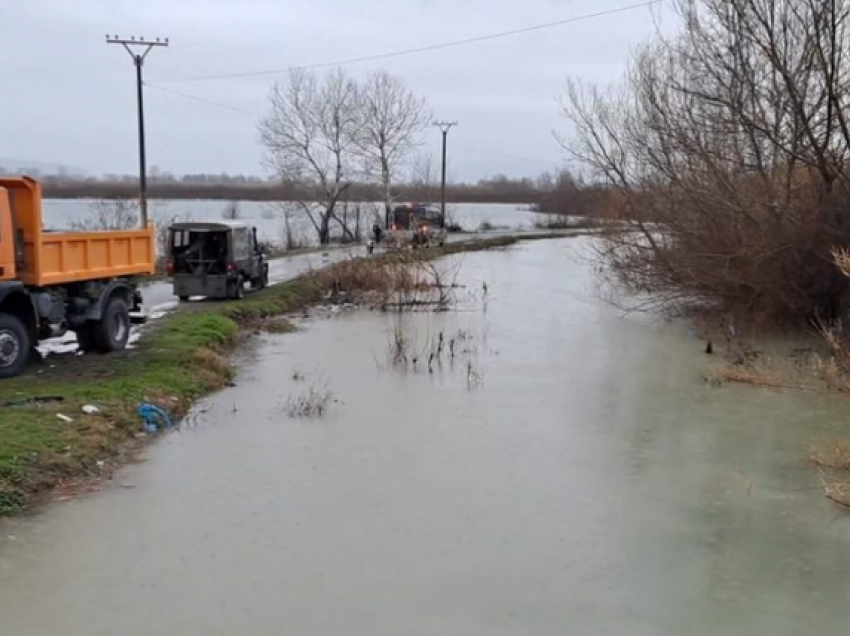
(183, 357)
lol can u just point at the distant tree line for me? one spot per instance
(561, 193)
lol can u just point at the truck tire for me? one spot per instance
(237, 289)
(15, 346)
(85, 338)
(112, 331)
(262, 281)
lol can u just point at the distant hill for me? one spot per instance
(10, 165)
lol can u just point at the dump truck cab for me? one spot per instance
(55, 282)
(215, 259)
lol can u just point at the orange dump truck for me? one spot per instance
(55, 282)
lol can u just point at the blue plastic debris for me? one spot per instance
(153, 417)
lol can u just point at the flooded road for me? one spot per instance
(159, 295)
(159, 298)
(569, 472)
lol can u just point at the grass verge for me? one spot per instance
(183, 357)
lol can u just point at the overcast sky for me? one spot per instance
(69, 98)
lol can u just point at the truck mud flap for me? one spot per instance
(138, 318)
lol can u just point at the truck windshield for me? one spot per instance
(401, 219)
(432, 217)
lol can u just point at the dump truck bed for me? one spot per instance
(57, 258)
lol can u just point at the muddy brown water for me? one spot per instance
(581, 479)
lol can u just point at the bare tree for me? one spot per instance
(289, 238)
(352, 217)
(118, 214)
(310, 136)
(292, 235)
(727, 146)
(231, 211)
(423, 175)
(392, 118)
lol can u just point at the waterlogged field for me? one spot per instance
(268, 219)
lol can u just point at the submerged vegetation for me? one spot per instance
(407, 353)
(833, 461)
(313, 402)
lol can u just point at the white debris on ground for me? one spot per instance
(58, 346)
(160, 310)
(68, 343)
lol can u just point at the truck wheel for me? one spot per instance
(112, 331)
(263, 280)
(14, 346)
(85, 338)
(237, 289)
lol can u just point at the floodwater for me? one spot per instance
(61, 213)
(569, 472)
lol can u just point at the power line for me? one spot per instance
(241, 111)
(506, 155)
(202, 100)
(421, 49)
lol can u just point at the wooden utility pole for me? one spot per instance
(133, 45)
(445, 127)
